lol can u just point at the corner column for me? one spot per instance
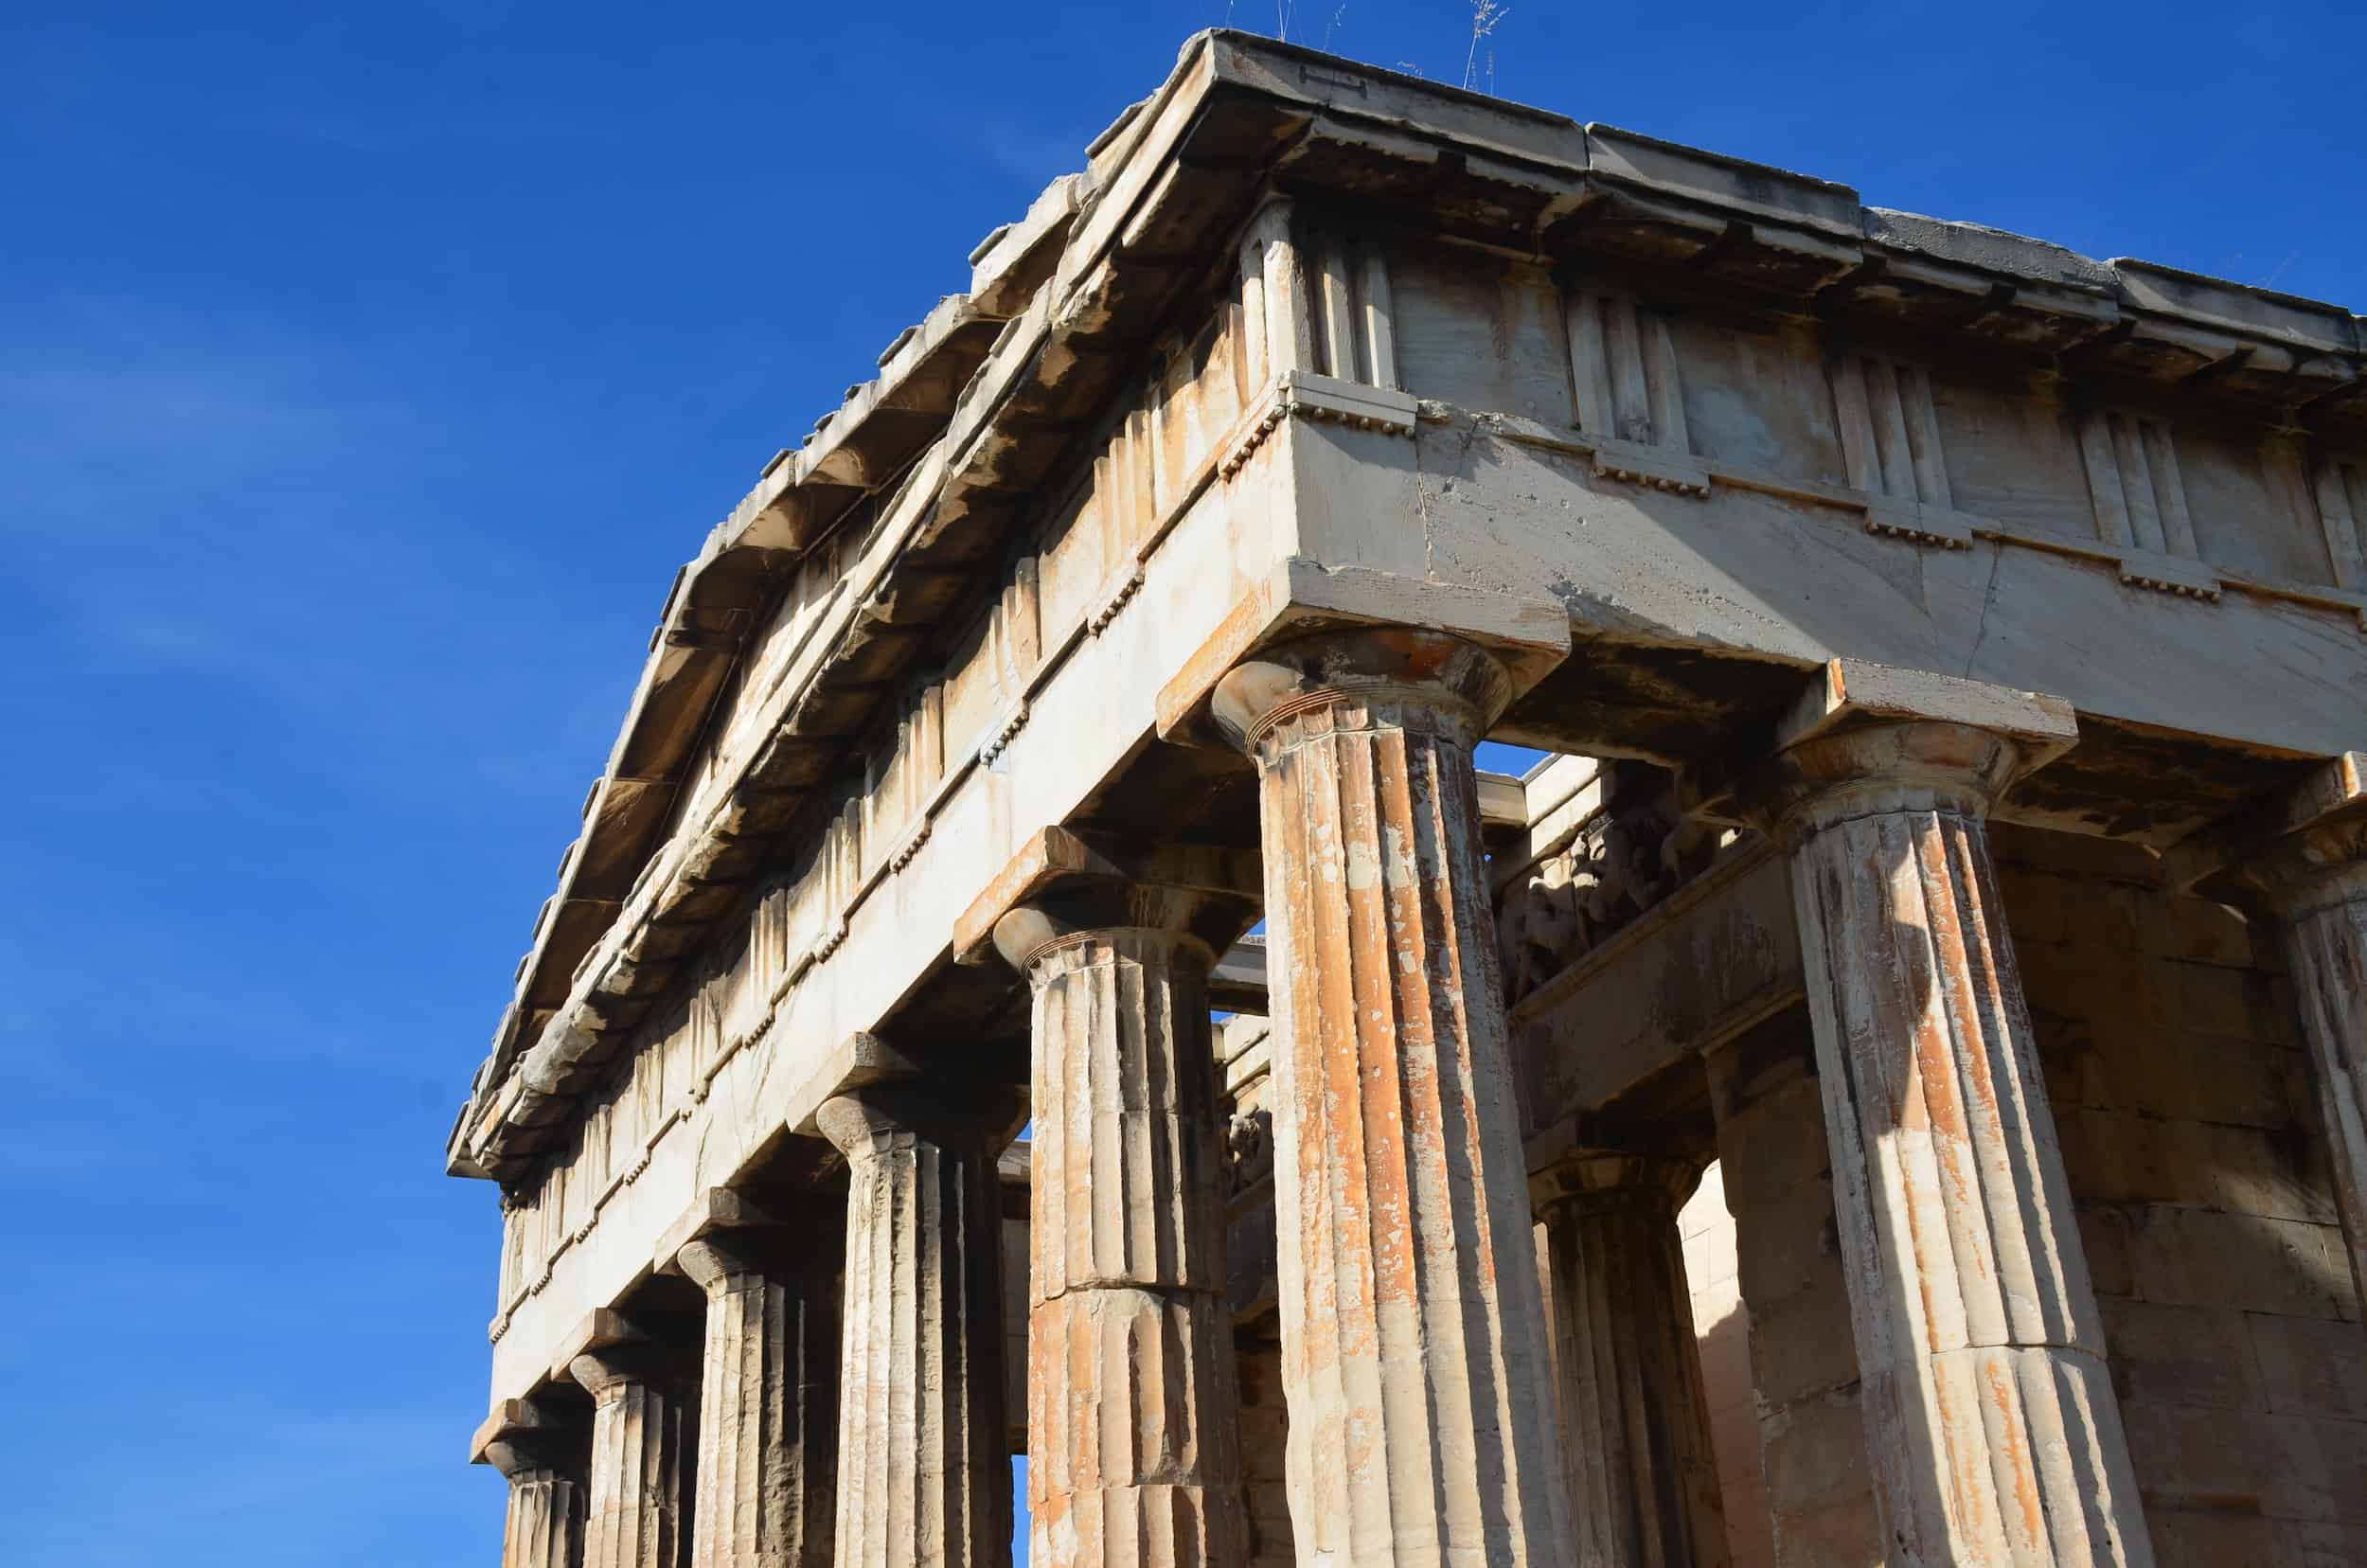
(642, 1431)
(1634, 1417)
(1992, 1427)
(766, 1489)
(923, 1462)
(1133, 1442)
(542, 1462)
(1413, 1336)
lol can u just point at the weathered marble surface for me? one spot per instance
(1134, 1454)
(767, 1493)
(1413, 1340)
(1710, 502)
(1991, 1422)
(643, 1424)
(923, 1462)
(1612, 447)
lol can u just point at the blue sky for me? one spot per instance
(366, 371)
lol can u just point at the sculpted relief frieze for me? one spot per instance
(1628, 857)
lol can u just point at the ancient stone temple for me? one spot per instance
(1043, 972)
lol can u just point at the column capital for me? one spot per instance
(522, 1457)
(1299, 606)
(609, 1351)
(2306, 850)
(1065, 884)
(1615, 1179)
(722, 1262)
(715, 1263)
(607, 1372)
(1381, 667)
(722, 1238)
(521, 1438)
(865, 1123)
(1866, 739)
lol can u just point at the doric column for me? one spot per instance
(1415, 1357)
(1992, 1427)
(1133, 1441)
(542, 1460)
(766, 1492)
(2308, 863)
(923, 1460)
(1634, 1417)
(642, 1431)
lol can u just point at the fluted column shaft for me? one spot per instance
(766, 1491)
(923, 1462)
(1415, 1359)
(543, 1528)
(1635, 1415)
(2307, 862)
(1134, 1448)
(2326, 947)
(1992, 1427)
(641, 1435)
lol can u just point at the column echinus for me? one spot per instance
(542, 1458)
(1992, 1427)
(1414, 1339)
(1133, 1440)
(1634, 1415)
(642, 1430)
(923, 1455)
(2308, 859)
(766, 1491)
